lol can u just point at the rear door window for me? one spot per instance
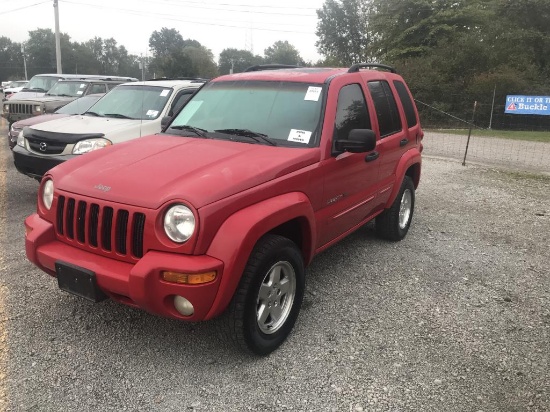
(389, 120)
(407, 103)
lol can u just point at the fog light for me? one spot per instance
(183, 306)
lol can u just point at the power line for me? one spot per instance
(206, 8)
(25, 7)
(170, 17)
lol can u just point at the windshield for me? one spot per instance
(79, 106)
(42, 83)
(17, 84)
(285, 112)
(133, 101)
(68, 88)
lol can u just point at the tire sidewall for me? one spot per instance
(407, 185)
(256, 340)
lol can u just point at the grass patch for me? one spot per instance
(503, 134)
(528, 176)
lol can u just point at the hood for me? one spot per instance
(38, 119)
(46, 99)
(155, 169)
(26, 95)
(117, 130)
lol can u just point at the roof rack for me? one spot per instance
(156, 79)
(261, 67)
(355, 68)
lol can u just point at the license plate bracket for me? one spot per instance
(78, 281)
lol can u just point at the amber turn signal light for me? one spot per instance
(188, 278)
(28, 230)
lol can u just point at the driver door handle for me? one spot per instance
(372, 156)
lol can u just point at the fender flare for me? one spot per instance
(410, 158)
(237, 236)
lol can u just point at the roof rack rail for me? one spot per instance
(261, 67)
(200, 79)
(355, 68)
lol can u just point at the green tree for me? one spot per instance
(202, 61)
(343, 31)
(168, 58)
(283, 52)
(237, 60)
(11, 60)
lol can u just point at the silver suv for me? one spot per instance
(128, 111)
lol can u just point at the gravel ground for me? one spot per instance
(454, 318)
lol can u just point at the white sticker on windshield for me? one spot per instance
(82, 85)
(152, 113)
(313, 93)
(300, 136)
(165, 92)
(79, 92)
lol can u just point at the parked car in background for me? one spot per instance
(13, 87)
(127, 112)
(77, 106)
(61, 93)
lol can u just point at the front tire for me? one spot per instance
(393, 224)
(267, 302)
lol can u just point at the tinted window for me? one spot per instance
(386, 109)
(180, 100)
(98, 88)
(351, 112)
(408, 105)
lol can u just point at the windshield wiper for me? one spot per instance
(197, 130)
(258, 137)
(118, 116)
(93, 114)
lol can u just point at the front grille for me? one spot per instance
(20, 108)
(113, 230)
(39, 145)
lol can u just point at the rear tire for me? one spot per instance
(393, 224)
(268, 299)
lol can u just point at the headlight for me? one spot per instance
(6, 108)
(38, 108)
(179, 223)
(85, 146)
(20, 139)
(47, 193)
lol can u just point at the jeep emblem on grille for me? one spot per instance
(43, 146)
(101, 187)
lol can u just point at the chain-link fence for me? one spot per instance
(488, 143)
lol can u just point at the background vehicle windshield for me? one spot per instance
(281, 110)
(79, 106)
(42, 83)
(136, 102)
(17, 84)
(67, 88)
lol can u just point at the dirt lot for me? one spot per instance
(454, 318)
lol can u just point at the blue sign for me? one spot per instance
(527, 105)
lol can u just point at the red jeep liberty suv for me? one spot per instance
(220, 214)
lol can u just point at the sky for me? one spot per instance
(217, 24)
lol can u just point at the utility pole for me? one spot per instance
(24, 59)
(57, 39)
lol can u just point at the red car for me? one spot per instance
(220, 214)
(77, 106)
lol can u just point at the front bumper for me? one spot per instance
(138, 285)
(34, 165)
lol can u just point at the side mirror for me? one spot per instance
(358, 141)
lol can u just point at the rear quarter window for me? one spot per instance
(407, 103)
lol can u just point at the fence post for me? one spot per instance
(469, 133)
